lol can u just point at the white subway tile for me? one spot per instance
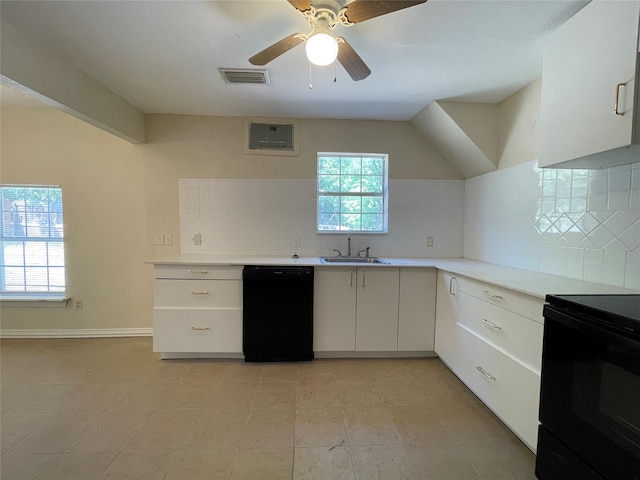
(619, 200)
(620, 178)
(575, 270)
(575, 255)
(598, 201)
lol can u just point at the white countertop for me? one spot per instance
(525, 281)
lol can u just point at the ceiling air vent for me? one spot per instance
(238, 75)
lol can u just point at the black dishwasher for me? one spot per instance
(277, 316)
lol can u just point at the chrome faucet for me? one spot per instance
(364, 250)
(349, 243)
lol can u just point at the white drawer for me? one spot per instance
(198, 293)
(210, 331)
(508, 388)
(202, 272)
(517, 302)
(517, 336)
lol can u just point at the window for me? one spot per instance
(32, 240)
(352, 192)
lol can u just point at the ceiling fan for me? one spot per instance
(322, 47)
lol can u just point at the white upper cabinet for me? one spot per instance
(590, 86)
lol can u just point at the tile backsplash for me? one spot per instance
(274, 216)
(582, 224)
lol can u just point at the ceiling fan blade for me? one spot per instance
(351, 61)
(361, 10)
(277, 49)
(301, 5)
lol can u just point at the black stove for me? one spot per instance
(590, 389)
(621, 311)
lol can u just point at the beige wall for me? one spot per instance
(518, 126)
(104, 216)
(117, 196)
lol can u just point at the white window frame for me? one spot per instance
(384, 194)
(19, 219)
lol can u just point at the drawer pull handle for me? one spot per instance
(486, 374)
(492, 295)
(351, 278)
(492, 325)
(198, 272)
(451, 280)
(200, 328)
(616, 103)
(199, 293)
(363, 279)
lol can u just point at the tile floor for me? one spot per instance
(110, 409)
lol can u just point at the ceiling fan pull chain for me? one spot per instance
(310, 84)
(335, 72)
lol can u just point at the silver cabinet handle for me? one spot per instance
(616, 104)
(198, 272)
(492, 325)
(492, 295)
(199, 293)
(486, 374)
(351, 278)
(200, 328)
(363, 279)
(451, 280)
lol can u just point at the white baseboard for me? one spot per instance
(76, 333)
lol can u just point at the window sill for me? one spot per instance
(33, 300)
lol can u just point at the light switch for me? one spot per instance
(159, 239)
(168, 239)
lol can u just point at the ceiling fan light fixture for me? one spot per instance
(322, 49)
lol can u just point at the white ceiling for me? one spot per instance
(163, 56)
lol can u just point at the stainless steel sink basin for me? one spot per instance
(352, 260)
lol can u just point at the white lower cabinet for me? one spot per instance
(495, 351)
(334, 309)
(377, 309)
(197, 309)
(447, 345)
(356, 309)
(197, 330)
(506, 386)
(374, 309)
(417, 309)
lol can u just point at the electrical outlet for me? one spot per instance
(197, 239)
(159, 239)
(77, 304)
(168, 239)
(297, 242)
(429, 241)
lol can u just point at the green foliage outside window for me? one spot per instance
(352, 192)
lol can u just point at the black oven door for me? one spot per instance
(590, 392)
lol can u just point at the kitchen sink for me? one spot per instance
(352, 260)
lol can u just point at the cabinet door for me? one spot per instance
(417, 309)
(334, 311)
(584, 61)
(377, 309)
(447, 313)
